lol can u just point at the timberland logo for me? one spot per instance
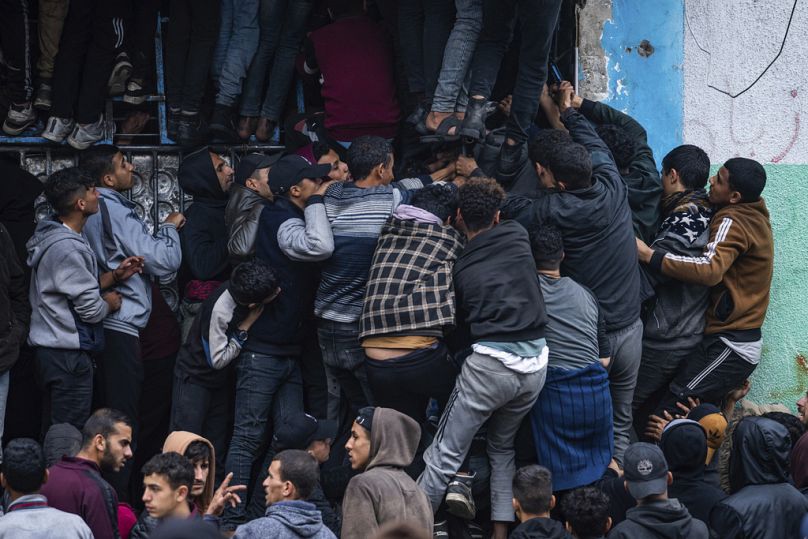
(644, 467)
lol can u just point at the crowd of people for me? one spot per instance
(454, 318)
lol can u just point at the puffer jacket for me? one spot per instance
(241, 218)
(763, 504)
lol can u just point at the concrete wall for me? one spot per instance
(712, 73)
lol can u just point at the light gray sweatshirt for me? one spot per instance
(66, 303)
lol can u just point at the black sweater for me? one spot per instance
(498, 294)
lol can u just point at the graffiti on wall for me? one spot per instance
(745, 79)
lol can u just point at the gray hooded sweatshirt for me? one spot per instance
(66, 304)
(287, 520)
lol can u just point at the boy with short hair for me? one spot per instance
(532, 501)
(167, 482)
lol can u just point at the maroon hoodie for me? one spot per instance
(75, 486)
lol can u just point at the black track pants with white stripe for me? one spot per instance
(712, 372)
(93, 31)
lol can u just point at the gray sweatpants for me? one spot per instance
(485, 390)
(626, 354)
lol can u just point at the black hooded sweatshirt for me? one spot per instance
(763, 504)
(664, 519)
(204, 236)
(540, 528)
(685, 447)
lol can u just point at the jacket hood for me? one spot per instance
(393, 439)
(684, 444)
(178, 442)
(302, 518)
(666, 518)
(760, 450)
(197, 176)
(48, 232)
(546, 528)
(61, 440)
(756, 211)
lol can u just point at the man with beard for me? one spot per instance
(75, 484)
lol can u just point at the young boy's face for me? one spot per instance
(159, 498)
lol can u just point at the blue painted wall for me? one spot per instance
(650, 88)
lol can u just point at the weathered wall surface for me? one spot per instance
(715, 79)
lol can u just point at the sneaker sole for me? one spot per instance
(80, 145)
(42, 104)
(134, 99)
(117, 81)
(54, 138)
(459, 506)
(14, 131)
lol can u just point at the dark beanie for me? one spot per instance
(684, 444)
(365, 417)
(61, 440)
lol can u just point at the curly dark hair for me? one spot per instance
(197, 451)
(252, 282)
(23, 465)
(586, 510)
(622, 146)
(366, 153)
(65, 186)
(547, 246)
(545, 142)
(479, 201)
(438, 199)
(177, 470)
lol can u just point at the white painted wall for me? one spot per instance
(727, 45)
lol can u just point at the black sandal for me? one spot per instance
(442, 132)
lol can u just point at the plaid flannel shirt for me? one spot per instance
(410, 286)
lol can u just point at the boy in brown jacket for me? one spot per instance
(737, 264)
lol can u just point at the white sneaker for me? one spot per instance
(56, 129)
(19, 118)
(84, 136)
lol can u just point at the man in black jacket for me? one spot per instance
(674, 315)
(500, 305)
(656, 516)
(585, 199)
(248, 196)
(763, 501)
(207, 177)
(15, 314)
(532, 501)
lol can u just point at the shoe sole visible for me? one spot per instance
(117, 81)
(14, 131)
(80, 145)
(134, 99)
(41, 104)
(54, 138)
(459, 506)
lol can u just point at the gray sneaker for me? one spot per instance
(19, 118)
(56, 129)
(84, 136)
(116, 84)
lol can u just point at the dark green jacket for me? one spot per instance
(642, 179)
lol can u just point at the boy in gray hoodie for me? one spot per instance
(66, 298)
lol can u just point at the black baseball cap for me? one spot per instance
(299, 431)
(645, 470)
(291, 170)
(252, 162)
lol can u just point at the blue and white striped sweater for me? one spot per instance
(356, 215)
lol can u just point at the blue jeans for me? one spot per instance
(344, 360)
(238, 41)
(283, 25)
(267, 388)
(457, 55)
